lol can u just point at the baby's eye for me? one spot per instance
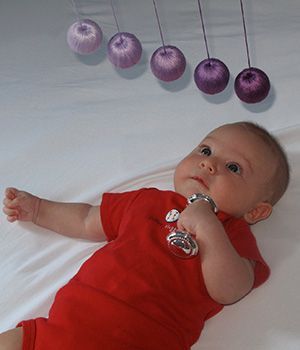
(205, 151)
(234, 168)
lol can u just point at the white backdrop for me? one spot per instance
(73, 127)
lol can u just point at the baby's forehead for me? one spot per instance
(234, 137)
(229, 133)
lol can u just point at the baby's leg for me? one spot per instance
(12, 339)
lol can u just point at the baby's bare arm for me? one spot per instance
(12, 339)
(79, 220)
(227, 276)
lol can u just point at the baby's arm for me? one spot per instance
(79, 220)
(227, 276)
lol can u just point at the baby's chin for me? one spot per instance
(185, 193)
(189, 189)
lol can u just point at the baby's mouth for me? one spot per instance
(201, 181)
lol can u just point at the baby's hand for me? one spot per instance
(196, 218)
(20, 205)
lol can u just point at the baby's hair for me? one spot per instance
(281, 177)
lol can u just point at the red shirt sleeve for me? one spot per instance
(245, 243)
(113, 210)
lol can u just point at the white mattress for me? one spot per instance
(73, 127)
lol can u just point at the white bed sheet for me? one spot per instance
(73, 127)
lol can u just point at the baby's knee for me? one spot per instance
(12, 339)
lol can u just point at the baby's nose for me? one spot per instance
(208, 165)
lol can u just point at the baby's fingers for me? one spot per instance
(11, 192)
(12, 218)
(11, 204)
(12, 214)
(181, 226)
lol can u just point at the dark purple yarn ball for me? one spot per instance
(84, 37)
(211, 76)
(168, 63)
(252, 85)
(124, 50)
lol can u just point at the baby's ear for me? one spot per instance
(260, 212)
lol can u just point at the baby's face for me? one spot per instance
(232, 165)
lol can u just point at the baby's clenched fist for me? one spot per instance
(20, 205)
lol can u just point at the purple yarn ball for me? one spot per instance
(168, 63)
(211, 76)
(124, 50)
(84, 37)
(252, 85)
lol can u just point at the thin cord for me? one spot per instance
(75, 9)
(203, 28)
(114, 13)
(159, 26)
(245, 33)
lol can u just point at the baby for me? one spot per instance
(134, 293)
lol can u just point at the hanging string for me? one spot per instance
(251, 85)
(114, 13)
(159, 25)
(75, 9)
(203, 28)
(245, 33)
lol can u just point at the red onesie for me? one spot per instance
(134, 294)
